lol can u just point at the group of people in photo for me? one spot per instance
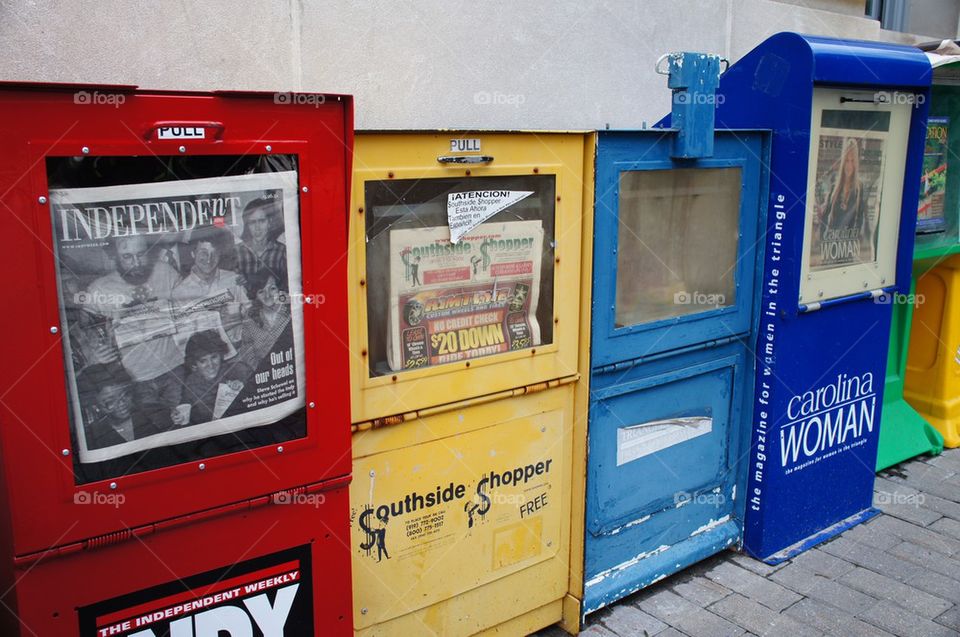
(172, 334)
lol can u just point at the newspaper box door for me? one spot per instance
(673, 316)
(167, 257)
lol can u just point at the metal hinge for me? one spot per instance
(397, 419)
(116, 537)
(633, 362)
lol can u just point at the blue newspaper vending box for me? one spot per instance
(677, 251)
(848, 122)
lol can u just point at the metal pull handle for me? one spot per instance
(464, 159)
(218, 128)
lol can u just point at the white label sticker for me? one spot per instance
(465, 145)
(644, 439)
(181, 132)
(467, 210)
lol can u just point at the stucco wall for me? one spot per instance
(410, 64)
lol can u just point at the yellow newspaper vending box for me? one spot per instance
(465, 279)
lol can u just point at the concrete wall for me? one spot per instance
(411, 64)
(938, 18)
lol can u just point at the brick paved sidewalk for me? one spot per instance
(898, 574)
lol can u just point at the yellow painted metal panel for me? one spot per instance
(384, 156)
(573, 602)
(460, 521)
(932, 379)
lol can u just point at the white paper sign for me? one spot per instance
(641, 440)
(467, 210)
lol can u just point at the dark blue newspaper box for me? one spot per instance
(678, 221)
(848, 122)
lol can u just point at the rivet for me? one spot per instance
(372, 473)
(42, 199)
(202, 466)
(865, 284)
(819, 292)
(305, 189)
(113, 485)
(360, 211)
(54, 329)
(393, 378)
(390, 175)
(363, 282)
(363, 352)
(543, 430)
(280, 449)
(558, 198)
(363, 611)
(536, 170)
(64, 452)
(312, 404)
(883, 280)
(182, 149)
(468, 173)
(85, 150)
(533, 351)
(468, 363)
(269, 148)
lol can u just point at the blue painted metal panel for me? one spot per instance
(792, 494)
(659, 496)
(623, 151)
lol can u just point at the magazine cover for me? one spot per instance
(453, 302)
(846, 198)
(175, 302)
(933, 181)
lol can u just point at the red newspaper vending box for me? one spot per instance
(174, 407)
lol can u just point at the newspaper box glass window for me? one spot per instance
(850, 237)
(677, 242)
(181, 302)
(458, 268)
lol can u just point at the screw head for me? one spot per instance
(41, 199)
(363, 611)
(305, 189)
(113, 486)
(202, 466)
(182, 149)
(280, 449)
(85, 150)
(54, 329)
(312, 404)
(372, 473)
(269, 148)
(64, 452)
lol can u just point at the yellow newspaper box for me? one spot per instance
(464, 266)
(932, 382)
(465, 271)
